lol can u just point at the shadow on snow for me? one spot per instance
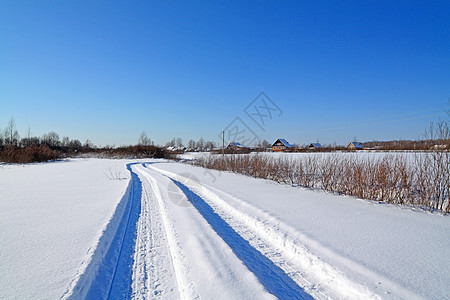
(272, 277)
(109, 274)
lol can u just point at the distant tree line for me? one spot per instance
(401, 145)
(9, 137)
(200, 145)
(50, 146)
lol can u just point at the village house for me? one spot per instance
(282, 145)
(237, 147)
(314, 146)
(355, 146)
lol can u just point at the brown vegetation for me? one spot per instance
(30, 149)
(29, 154)
(138, 151)
(421, 182)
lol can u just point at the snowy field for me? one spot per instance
(51, 218)
(166, 230)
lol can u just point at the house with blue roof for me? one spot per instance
(355, 146)
(282, 145)
(314, 146)
(235, 147)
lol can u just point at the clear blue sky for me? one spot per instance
(108, 70)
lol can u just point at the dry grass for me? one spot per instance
(421, 182)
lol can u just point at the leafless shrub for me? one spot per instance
(28, 155)
(115, 175)
(433, 169)
(421, 182)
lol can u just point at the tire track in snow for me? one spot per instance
(272, 277)
(143, 258)
(263, 232)
(109, 273)
(165, 232)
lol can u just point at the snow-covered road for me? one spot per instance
(183, 232)
(194, 259)
(269, 255)
(180, 251)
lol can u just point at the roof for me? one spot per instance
(315, 145)
(285, 143)
(237, 145)
(356, 144)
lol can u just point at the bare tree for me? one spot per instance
(447, 110)
(171, 143)
(75, 145)
(179, 143)
(210, 145)
(144, 140)
(191, 144)
(27, 142)
(265, 144)
(88, 144)
(51, 139)
(65, 141)
(201, 144)
(11, 135)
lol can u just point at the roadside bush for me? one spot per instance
(138, 151)
(421, 182)
(28, 155)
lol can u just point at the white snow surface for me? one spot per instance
(191, 260)
(52, 216)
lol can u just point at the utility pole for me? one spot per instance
(223, 143)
